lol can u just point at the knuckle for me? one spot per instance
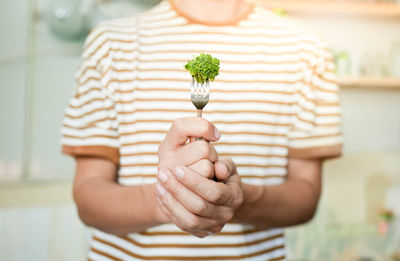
(237, 201)
(184, 229)
(231, 201)
(201, 235)
(205, 168)
(227, 160)
(192, 223)
(216, 195)
(216, 229)
(203, 148)
(199, 207)
(239, 198)
(228, 216)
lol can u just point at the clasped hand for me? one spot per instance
(196, 190)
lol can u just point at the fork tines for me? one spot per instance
(200, 93)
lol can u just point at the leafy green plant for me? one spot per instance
(203, 67)
(387, 215)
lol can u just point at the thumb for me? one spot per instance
(184, 128)
(224, 168)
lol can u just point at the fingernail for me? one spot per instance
(162, 175)
(160, 189)
(179, 172)
(217, 133)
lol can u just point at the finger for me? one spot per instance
(198, 150)
(215, 192)
(190, 200)
(204, 167)
(193, 139)
(163, 208)
(224, 168)
(200, 234)
(182, 217)
(184, 128)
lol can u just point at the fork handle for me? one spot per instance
(199, 113)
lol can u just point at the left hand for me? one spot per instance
(196, 204)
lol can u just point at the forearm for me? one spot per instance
(288, 204)
(117, 209)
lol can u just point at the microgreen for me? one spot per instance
(203, 67)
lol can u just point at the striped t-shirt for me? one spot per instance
(275, 98)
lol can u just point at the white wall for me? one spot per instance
(42, 233)
(13, 45)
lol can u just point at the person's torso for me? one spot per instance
(251, 103)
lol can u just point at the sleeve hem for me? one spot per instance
(109, 153)
(322, 152)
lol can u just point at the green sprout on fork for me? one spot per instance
(203, 67)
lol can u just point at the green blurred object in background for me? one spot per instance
(280, 11)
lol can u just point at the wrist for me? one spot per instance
(251, 195)
(159, 215)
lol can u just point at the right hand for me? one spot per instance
(199, 156)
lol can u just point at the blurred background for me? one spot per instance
(40, 46)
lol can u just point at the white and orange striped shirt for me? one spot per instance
(275, 98)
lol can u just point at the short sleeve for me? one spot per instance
(316, 127)
(90, 127)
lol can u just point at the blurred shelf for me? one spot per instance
(369, 82)
(35, 193)
(353, 8)
(61, 51)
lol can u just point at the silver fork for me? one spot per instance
(200, 94)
